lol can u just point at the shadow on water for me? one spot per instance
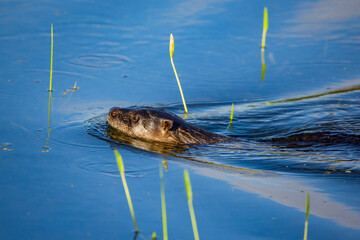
(288, 191)
(99, 128)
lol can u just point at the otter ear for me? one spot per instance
(135, 118)
(166, 124)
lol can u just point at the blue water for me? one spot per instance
(62, 181)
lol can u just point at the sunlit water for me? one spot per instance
(61, 180)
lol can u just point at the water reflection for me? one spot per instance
(46, 148)
(325, 19)
(173, 150)
(263, 65)
(162, 148)
(288, 191)
(191, 12)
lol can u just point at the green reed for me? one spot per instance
(51, 69)
(232, 114)
(171, 50)
(190, 203)
(163, 203)
(307, 215)
(231, 118)
(51, 61)
(46, 147)
(265, 27)
(122, 173)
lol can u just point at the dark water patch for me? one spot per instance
(315, 160)
(312, 139)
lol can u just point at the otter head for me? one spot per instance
(149, 124)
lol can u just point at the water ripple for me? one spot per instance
(99, 60)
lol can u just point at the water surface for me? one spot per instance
(62, 181)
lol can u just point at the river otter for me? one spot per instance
(153, 124)
(156, 125)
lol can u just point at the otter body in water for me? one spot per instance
(159, 126)
(153, 124)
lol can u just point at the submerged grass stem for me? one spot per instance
(122, 173)
(163, 203)
(307, 215)
(190, 202)
(263, 65)
(171, 50)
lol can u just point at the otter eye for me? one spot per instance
(135, 118)
(113, 114)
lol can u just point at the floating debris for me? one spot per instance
(5, 147)
(8, 149)
(71, 90)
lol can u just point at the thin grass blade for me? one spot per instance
(189, 195)
(232, 114)
(127, 193)
(163, 203)
(46, 147)
(51, 69)
(265, 27)
(51, 60)
(307, 215)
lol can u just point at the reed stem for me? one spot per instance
(307, 215)
(171, 50)
(265, 27)
(51, 69)
(232, 114)
(127, 193)
(51, 61)
(163, 203)
(190, 203)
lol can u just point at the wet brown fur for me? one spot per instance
(153, 124)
